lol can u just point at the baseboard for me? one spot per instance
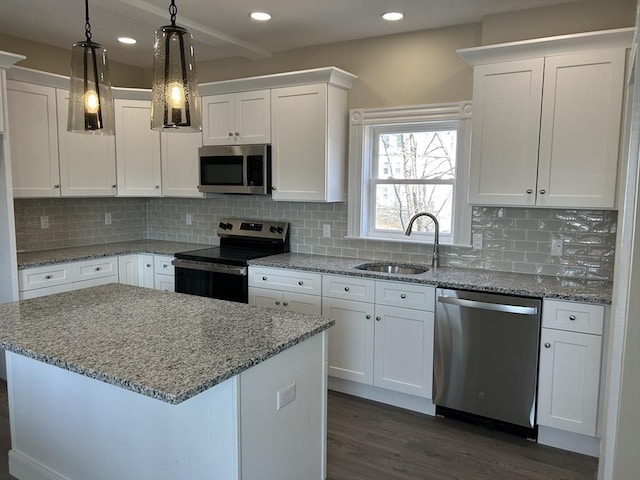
(574, 442)
(382, 395)
(25, 468)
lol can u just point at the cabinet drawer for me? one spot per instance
(47, 276)
(348, 288)
(95, 268)
(397, 294)
(285, 280)
(572, 316)
(162, 264)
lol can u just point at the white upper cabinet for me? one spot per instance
(546, 120)
(180, 164)
(87, 162)
(237, 118)
(34, 139)
(137, 150)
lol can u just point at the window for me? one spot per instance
(409, 160)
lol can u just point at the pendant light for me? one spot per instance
(90, 99)
(175, 105)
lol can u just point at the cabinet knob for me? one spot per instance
(231, 134)
(164, 265)
(237, 134)
(402, 295)
(368, 317)
(114, 185)
(264, 278)
(300, 283)
(378, 319)
(57, 186)
(48, 277)
(284, 304)
(97, 269)
(542, 192)
(273, 188)
(529, 191)
(277, 302)
(346, 289)
(572, 318)
(148, 265)
(156, 186)
(547, 345)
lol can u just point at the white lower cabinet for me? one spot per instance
(296, 302)
(147, 270)
(163, 275)
(285, 289)
(570, 359)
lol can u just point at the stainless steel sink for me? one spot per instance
(400, 268)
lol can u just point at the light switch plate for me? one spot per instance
(477, 241)
(44, 221)
(556, 247)
(326, 230)
(107, 218)
(188, 219)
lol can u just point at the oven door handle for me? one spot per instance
(209, 267)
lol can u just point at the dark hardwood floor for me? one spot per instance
(367, 440)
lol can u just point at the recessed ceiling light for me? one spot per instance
(393, 16)
(260, 16)
(127, 40)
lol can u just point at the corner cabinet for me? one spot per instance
(546, 120)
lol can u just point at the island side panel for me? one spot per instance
(68, 426)
(289, 443)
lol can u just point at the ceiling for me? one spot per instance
(222, 28)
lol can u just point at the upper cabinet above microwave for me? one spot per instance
(546, 120)
(237, 118)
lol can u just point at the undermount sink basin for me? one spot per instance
(399, 268)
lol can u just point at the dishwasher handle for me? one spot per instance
(496, 307)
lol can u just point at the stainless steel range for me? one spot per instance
(222, 272)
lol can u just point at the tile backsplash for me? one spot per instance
(514, 239)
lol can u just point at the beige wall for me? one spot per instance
(574, 17)
(58, 60)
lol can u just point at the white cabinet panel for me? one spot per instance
(137, 150)
(87, 161)
(568, 390)
(572, 316)
(285, 280)
(34, 140)
(348, 288)
(45, 276)
(404, 350)
(162, 264)
(146, 272)
(95, 268)
(421, 297)
(128, 269)
(295, 302)
(180, 164)
(164, 282)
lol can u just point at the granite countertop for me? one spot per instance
(72, 254)
(165, 345)
(588, 291)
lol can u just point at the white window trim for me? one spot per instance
(361, 125)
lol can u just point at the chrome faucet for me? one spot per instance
(435, 259)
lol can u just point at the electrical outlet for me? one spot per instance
(286, 395)
(477, 241)
(44, 221)
(556, 247)
(188, 219)
(326, 230)
(107, 218)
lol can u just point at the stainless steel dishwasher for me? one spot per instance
(486, 358)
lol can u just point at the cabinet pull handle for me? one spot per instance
(378, 319)
(547, 345)
(264, 278)
(48, 277)
(402, 295)
(529, 191)
(572, 317)
(284, 304)
(97, 269)
(346, 289)
(542, 192)
(368, 317)
(300, 283)
(277, 302)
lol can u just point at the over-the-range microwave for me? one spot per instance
(244, 169)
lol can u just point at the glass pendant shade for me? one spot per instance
(175, 105)
(90, 98)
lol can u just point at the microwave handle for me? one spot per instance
(245, 170)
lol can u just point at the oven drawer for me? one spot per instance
(285, 280)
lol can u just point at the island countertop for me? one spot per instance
(164, 345)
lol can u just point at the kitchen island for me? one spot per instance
(125, 382)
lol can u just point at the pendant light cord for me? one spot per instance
(87, 25)
(173, 10)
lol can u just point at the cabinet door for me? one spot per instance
(302, 303)
(34, 140)
(180, 164)
(580, 130)
(146, 275)
(164, 282)
(507, 98)
(350, 339)
(137, 150)
(569, 380)
(403, 359)
(128, 270)
(87, 162)
(299, 139)
(263, 297)
(218, 119)
(253, 117)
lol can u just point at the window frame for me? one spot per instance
(363, 126)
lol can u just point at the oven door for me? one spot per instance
(224, 282)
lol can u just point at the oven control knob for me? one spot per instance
(229, 226)
(272, 229)
(222, 225)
